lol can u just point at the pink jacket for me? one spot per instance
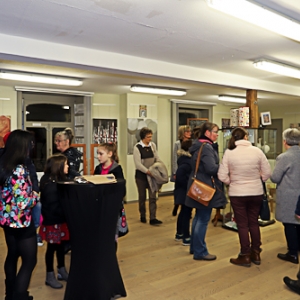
(242, 169)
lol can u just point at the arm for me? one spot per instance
(209, 161)
(138, 161)
(223, 172)
(265, 172)
(279, 170)
(175, 157)
(33, 176)
(153, 146)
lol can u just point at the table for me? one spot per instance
(92, 212)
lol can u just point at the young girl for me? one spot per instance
(54, 228)
(108, 158)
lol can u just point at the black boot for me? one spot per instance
(22, 296)
(9, 288)
(294, 285)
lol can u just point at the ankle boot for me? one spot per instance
(9, 287)
(255, 257)
(21, 296)
(242, 260)
(51, 281)
(62, 274)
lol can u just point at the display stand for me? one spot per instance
(92, 212)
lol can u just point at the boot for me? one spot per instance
(62, 274)
(242, 260)
(255, 257)
(217, 217)
(298, 274)
(294, 285)
(8, 290)
(21, 296)
(51, 281)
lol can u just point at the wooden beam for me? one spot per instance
(251, 97)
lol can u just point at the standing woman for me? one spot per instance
(16, 202)
(243, 168)
(287, 176)
(144, 156)
(208, 168)
(184, 134)
(63, 141)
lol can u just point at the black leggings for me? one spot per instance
(21, 242)
(60, 255)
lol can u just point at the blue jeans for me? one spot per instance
(199, 227)
(36, 214)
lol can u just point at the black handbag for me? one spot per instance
(264, 213)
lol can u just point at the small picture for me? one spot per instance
(225, 123)
(143, 111)
(266, 118)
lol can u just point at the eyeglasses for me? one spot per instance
(215, 131)
(148, 136)
(58, 141)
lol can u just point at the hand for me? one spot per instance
(149, 173)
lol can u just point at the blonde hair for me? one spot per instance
(181, 130)
(111, 147)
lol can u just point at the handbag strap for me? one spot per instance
(198, 163)
(264, 187)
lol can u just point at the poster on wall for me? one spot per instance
(143, 111)
(4, 128)
(105, 131)
(134, 126)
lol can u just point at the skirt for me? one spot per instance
(54, 234)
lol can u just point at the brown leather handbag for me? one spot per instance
(200, 191)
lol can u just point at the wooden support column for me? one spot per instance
(251, 97)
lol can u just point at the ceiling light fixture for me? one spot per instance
(157, 90)
(259, 16)
(233, 99)
(278, 68)
(39, 78)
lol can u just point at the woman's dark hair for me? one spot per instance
(55, 167)
(111, 147)
(237, 134)
(144, 131)
(17, 149)
(199, 131)
(186, 145)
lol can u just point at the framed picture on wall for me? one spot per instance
(105, 131)
(266, 118)
(194, 122)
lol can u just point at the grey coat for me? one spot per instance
(209, 166)
(287, 176)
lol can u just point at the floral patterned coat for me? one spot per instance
(17, 199)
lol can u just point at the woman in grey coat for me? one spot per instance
(287, 176)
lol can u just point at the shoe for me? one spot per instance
(206, 257)
(178, 237)
(52, 282)
(62, 274)
(67, 247)
(186, 242)
(255, 257)
(155, 222)
(143, 220)
(242, 260)
(294, 285)
(298, 274)
(288, 257)
(39, 240)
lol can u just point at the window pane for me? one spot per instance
(48, 113)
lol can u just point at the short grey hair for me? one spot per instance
(291, 136)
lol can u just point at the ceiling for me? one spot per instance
(112, 44)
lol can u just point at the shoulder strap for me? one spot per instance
(198, 159)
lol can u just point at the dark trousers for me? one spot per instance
(183, 221)
(246, 212)
(292, 235)
(142, 186)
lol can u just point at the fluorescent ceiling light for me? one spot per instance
(30, 77)
(232, 99)
(277, 68)
(157, 90)
(259, 16)
(194, 102)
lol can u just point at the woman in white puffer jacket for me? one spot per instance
(243, 167)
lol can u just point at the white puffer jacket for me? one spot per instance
(242, 169)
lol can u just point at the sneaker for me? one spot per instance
(206, 257)
(186, 242)
(155, 222)
(39, 240)
(178, 237)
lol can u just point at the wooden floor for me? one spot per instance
(154, 266)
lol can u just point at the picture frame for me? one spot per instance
(225, 123)
(265, 118)
(194, 122)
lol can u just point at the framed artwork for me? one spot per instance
(105, 131)
(266, 118)
(225, 123)
(194, 122)
(143, 111)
